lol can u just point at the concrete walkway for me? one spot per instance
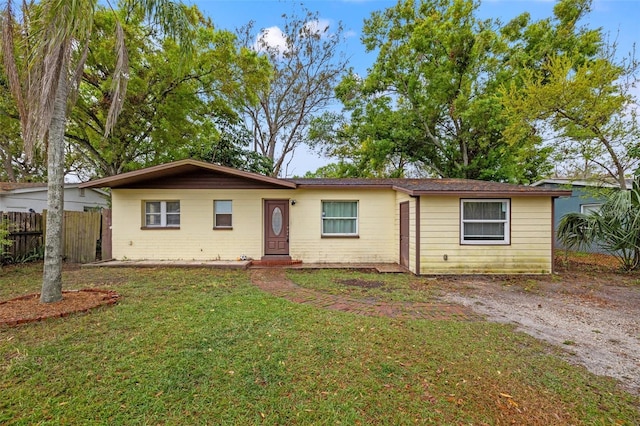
(274, 281)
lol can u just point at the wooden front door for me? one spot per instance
(404, 234)
(276, 227)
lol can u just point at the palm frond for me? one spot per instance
(119, 82)
(7, 49)
(50, 31)
(577, 231)
(170, 16)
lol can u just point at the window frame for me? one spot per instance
(340, 234)
(589, 208)
(215, 215)
(507, 222)
(163, 213)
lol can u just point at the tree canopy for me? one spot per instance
(305, 70)
(589, 110)
(169, 112)
(44, 51)
(432, 103)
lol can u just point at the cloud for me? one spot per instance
(274, 39)
(318, 26)
(271, 38)
(350, 34)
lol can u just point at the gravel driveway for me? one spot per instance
(594, 317)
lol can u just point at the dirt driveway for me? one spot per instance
(594, 315)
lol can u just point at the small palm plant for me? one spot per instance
(615, 227)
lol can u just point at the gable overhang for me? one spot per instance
(139, 178)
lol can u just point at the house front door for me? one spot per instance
(404, 234)
(276, 227)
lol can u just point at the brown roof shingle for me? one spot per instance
(432, 186)
(463, 187)
(10, 186)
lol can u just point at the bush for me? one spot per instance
(4, 236)
(616, 227)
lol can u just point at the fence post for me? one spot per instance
(106, 235)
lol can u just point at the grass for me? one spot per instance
(198, 346)
(363, 284)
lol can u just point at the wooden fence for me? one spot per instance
(81, 234)
(25, 233)
(82, 231)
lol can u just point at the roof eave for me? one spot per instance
(151, 172)
(489, 194)
(341, 186)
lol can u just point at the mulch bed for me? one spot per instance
(28, 308)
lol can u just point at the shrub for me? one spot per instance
(616, 227)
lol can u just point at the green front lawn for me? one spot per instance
(197, 346)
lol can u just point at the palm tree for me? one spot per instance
(44, 49)
(615, 227)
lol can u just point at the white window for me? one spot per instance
(484, 221)
(222, 214)
(162, 214)
(590, 208)
(340, 218)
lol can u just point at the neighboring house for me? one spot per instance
(586, 196)
(194, 210)
(32, 197)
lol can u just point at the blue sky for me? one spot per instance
(619, 18)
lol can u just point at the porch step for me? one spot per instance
(390, 268)
(275, 261)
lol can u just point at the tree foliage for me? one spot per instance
(15, 167)
(4, 236)
(169, 112)
(588, 107)
(232, 149)
(431, 104)
(44, 50)
(305, 69)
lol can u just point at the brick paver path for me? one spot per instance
(274, 281)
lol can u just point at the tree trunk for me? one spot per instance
(52, 272)
(6, 160)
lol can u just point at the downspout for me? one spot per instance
(553, 235)
(417, 198)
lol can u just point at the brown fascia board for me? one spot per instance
(487, 194)
(175, 167)
(341, 186)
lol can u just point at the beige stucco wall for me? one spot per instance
(378, 230)
(530, 250)
(376, 242)
(196, 238)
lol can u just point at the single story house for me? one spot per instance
(195, 210)
(32, 197)
(586, 196)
